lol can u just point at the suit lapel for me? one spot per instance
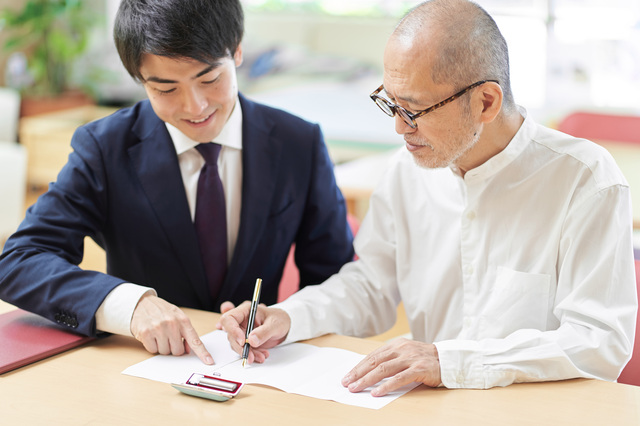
(156, 163)
(259, 168)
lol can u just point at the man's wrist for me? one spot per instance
(115, 312)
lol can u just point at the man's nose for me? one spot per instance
(402, 127)
(194, 102)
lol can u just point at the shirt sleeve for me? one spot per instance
(115, 312)
(595, 303)
(362, 299)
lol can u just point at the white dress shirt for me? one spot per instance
(115, 312)
(522, 270)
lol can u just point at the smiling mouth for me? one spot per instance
(202, 120)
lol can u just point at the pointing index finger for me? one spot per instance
(192, 339)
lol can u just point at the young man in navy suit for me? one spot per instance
(132, 183)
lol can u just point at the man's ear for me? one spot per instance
(237, 56)
(491, 97)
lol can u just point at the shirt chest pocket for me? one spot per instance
(518, 300)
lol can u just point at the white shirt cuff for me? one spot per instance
(297, 312)
(461, 364)
(115, 312)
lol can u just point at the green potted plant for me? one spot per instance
(51, 34)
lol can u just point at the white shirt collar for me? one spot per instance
(493, 165)
(231, 134)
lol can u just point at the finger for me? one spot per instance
(148, 342)
(176, 344)
(168, 334)
(257, 356)
(382, 371)
(394, 383)
(192, 339)
(233, 323)
(260, 355)
(164, 348)
(260, 335)
(273, 329)
(367, 364)
(235, 346)
(172, 333)
(226, 307)
(236, 340)
(155, 337)
(237, 316)
(400, 362)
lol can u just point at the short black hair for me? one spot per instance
(203, 30)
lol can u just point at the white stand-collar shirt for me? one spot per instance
(522, 270)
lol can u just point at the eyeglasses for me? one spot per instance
(392, 109)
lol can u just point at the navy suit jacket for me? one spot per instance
(122, 187)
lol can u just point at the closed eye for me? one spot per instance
(211, 81)
(165, 92)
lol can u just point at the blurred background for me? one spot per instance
(565, 54)
(575, 66)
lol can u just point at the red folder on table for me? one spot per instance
(26, 338)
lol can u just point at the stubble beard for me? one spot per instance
(450, 152)
(456, 145)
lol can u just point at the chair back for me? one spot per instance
(13, 187)
(290, 282)
(618, 134)
(631, 373)
(602, 127)
(9, 115)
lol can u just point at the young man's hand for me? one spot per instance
(165, 329)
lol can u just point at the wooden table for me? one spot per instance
(85, 386)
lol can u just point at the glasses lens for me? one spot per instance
(403, 114)
(385, 107)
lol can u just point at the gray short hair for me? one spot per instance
(470, 45)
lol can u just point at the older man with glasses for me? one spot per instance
(509, 244)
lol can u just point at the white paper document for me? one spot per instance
(295, 368)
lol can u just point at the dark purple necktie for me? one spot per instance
(211, 218)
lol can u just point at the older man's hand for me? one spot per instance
(402, 361)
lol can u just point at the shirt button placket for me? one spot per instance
(468, 247)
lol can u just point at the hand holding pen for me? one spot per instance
(267, 328)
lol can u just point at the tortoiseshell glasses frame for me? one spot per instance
(392, 109)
